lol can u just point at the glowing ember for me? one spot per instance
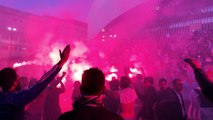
(110, 76)
(113, 69)
(135, 70)
(15, 65)
(130, 75)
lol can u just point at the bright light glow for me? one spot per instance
(15, 65)
(103, 30)
(130, 75)
(115, 36)
(54, 55)
(103, 40)
(78, 69)
(110, 35)
(79, 50)
(14, 29)
(103, 36)
(77, 75)
(109, 77)
(9, 28)
(113, 69)
(63, 81)
(135, 70)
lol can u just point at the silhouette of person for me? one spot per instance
(161, 107)
(12, 102)
(127, 98)
(148, 99)
(90, 105)
(112, 98)
(177, 106)
(139, 89)
(52, 108)
(76, 91)
(34, 110)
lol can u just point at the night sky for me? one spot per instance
(96, 13)
(77, 9)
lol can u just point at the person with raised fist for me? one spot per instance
(13, 102)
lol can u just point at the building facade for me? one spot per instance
(21, 32)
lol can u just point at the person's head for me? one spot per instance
(114, 85)
(124, 82)
(93, 82)
(163, 84)
(177, 85)
(148, 82)
(8, 79)
(139, 78)
(113, 78)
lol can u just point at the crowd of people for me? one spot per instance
(93, 101)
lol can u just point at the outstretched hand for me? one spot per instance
(193, 63)
(64, 55)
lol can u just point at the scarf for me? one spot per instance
(88, 100)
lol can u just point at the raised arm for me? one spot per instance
(202, 78)
(57, 81)
(24, 97)
(62, 89)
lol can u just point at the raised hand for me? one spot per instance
(193, 63)
(64, 73)
(64, 55)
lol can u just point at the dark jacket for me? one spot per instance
(161, 107)
(90, 113)
(175, 108)
(12, 104)
(148, 100)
